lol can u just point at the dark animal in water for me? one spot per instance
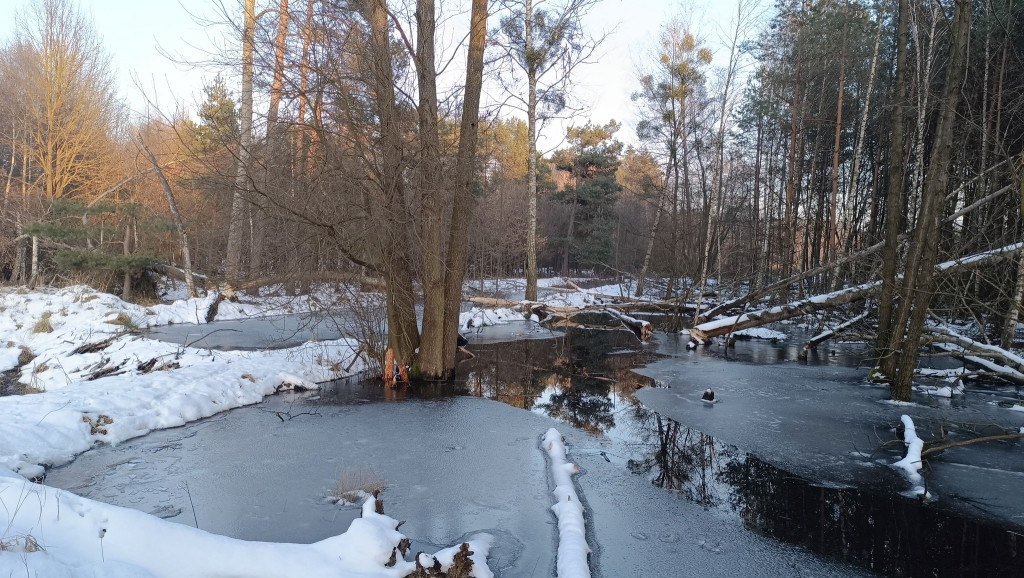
(709, 395)
(461, 342)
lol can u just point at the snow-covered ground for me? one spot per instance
(94, 380)
(99, 383)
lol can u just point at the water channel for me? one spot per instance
(786, 476)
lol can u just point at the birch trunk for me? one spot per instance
(851, 195)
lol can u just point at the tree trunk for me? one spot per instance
(894, 198)
(531, 167)
(403, 333)
(916, 293)
(431, 355)
(464, 180)
(126, 286)
(832, 239)
(1013, 313)
(186, 256)
(650, 242)
(34, 275)
(236, 227)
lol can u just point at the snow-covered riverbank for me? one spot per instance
(96, 382)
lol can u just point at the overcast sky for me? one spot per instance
(135, 33)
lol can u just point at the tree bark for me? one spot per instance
(531, 169)
(431, 356)
(186, 256)
(917, 283)
(832, 238)
(894, 198)
(236, 227)
(464, 180)
(403, 333)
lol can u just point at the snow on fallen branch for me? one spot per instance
(710, 329)
(572, 540)
(833, 331)
(705, 331)
(911, 464)
(1010, 365)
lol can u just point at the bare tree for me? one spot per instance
(546, 42)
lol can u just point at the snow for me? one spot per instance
(127, 387)
(911, 464)
(9, 358)
(572, 540)
(761, 333)
(481, 317)
(77, 409)
(944, 391)
(979, 256)
(818, 299)
(81, 537)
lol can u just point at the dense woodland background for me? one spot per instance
(814, 132)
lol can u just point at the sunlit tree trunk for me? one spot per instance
(236, 226)
(531, 170)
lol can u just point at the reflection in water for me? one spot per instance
(886, 533)
(585, 379)
(578, 379)
(683, 460)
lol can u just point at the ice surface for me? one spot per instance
(826, 423)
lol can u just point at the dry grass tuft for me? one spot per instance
(355, 484)
(125, 321)
(25, 356)
(43, 325)
(24, 543)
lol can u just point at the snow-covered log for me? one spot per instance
(642, 329)
(572, 539)
(833, 331)
(841, 297)
(785, 283)
(710, 329)
(1006, 363)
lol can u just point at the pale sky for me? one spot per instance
(134, 32)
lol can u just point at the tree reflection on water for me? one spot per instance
(586, 379)
(577, 379)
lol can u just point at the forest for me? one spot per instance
(813, 156)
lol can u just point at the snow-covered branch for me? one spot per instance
(572, 540)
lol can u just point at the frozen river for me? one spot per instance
(791, 452)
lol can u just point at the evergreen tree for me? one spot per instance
(591, 162)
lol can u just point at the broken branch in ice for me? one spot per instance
(911, 464)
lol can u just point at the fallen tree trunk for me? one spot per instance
(832, 332)
(710, 329)
(642, 329)
(707, 330)
(1010, 366)
(943, 447)
(753, 296)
